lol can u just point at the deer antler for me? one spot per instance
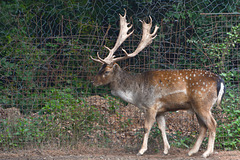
(147, 38)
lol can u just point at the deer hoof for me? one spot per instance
(165, 151)
(205, 155)
(139, 154)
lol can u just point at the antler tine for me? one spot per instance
(107, 48)
(97, 60)
(147, 38)
(155, 29)
(125, 13)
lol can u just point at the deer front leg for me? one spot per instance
(162, 126)
(149, 121)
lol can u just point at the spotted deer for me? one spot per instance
(161, 91)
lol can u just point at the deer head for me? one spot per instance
(109, 66)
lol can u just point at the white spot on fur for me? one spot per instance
(178, 91)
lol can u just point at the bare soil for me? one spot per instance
(94, 153)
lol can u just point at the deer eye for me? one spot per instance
(107, 72)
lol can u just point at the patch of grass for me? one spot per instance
(63, 118)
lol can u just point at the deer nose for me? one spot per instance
(94, 83)
(92, 80)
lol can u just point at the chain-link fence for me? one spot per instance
(46, 91)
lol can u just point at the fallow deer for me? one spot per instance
(162, 90)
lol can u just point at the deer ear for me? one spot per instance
(115, 66)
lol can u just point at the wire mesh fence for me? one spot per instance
(46, 91)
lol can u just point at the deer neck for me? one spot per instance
(123, 85)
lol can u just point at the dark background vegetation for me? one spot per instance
(45, 69)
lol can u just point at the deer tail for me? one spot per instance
(220, 92)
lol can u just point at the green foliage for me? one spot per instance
(63, 117)
(183, 142)
(114, 104)
(228, 131)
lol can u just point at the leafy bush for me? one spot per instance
(63, 118)
(228, 131)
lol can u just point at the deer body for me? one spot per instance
(161, 91)
(173, 90)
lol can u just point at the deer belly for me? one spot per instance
(136, 98)
(175, 100)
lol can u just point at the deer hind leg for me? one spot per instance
(149, 121)
(162, 126)
(210, 123)
(202, 134)
(212, 134)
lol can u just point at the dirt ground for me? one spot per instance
(93, 153)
